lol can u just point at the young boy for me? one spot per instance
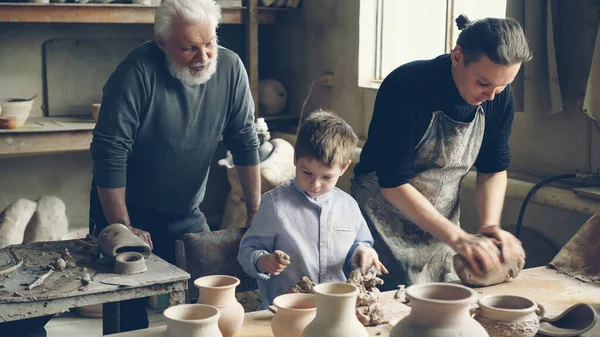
(307, 226)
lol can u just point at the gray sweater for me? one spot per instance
(157, 136)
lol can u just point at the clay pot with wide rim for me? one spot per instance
(219, 291)
(192, 320)
(507, 315)
(439, 310)
(336, 312)
(294, 313)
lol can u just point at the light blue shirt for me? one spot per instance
(320, 236)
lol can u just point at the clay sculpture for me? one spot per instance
(116, 239)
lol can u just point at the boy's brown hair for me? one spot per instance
(326, 137)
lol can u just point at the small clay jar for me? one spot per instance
(129, 263)
(294, 313)
(336, 312)
(116, 239)
(219, 292)
(192, 320)
(507, 315)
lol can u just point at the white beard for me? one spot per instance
(184, 74)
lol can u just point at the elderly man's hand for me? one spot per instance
(143, 235)
(511, 247)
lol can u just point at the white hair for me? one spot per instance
(192, 11)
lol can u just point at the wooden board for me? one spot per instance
(47, 135)
(554, 290)
(105, 13)
(76, 70)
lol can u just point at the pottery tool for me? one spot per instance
(576, 320)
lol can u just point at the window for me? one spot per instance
(394, 32)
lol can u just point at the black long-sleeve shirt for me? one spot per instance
(403, 110)
(157, 136)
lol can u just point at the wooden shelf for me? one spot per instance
(108, 13)
(47, 135)
(279, 118)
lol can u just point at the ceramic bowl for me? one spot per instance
(19, 108)
(129, 263)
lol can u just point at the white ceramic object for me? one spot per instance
(192, 320)
(18, 108)
(294, 313)
(336, 317)
(272, 97)
(439, 310)
(219, 292)
(507, 315)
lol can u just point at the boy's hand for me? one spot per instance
(273, 263)
(365, 257)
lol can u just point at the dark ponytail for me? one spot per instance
(502, 40)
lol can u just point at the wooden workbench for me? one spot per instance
(64, 289)
(554, 291)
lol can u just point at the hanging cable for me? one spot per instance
(532, 192)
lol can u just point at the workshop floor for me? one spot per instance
(70, 324)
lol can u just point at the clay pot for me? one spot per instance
(506, 315)
(294, 313)
(129, 263)
(192, 320)
(336, 305)
(116, 239)
(18, 108)
(219, 292)
(439, 310)
(8, 123)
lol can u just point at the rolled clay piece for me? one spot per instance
(510, 269)
(116, 239)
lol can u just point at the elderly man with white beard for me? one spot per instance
(163, 111)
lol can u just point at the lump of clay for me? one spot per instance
(49, 222)
(368, 309)
(510, 269)
(14, 220)
(304, 286)
(371, 315)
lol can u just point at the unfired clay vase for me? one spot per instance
(129, 263)
(510, 269)
(439, 310)
(116, 239)
(336, 305)
(192, 320)
(506, 315)
(219, 292)
(294, 313)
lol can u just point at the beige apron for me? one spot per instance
(443, 157)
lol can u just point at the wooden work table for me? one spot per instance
(555, 291)
(64, 289)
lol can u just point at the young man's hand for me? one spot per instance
(273, 263)
(365, 257)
